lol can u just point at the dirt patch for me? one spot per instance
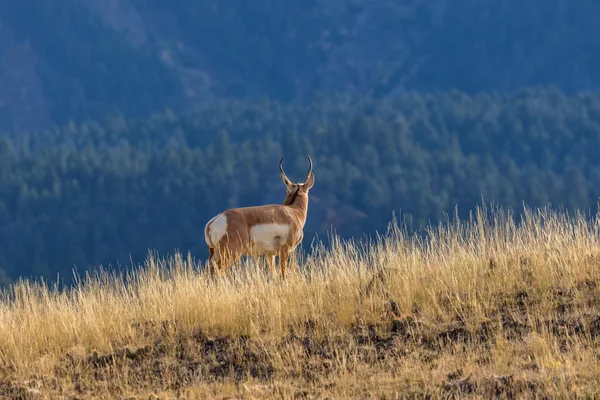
(12, 390)
(456, 386)
(173, 364)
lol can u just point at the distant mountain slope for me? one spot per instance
(75, 59)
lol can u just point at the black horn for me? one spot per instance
(283, 175)
(309, 168)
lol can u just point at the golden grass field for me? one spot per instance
(490, 307)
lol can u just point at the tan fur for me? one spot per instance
(236, 242)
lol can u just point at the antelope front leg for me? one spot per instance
(271, 263)
(283, 261)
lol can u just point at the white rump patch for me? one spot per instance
(268, 238)
(217, 229)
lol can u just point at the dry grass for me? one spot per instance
(482, 308)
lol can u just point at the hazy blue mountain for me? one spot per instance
(74, 59)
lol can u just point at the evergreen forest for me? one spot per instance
(107, 192)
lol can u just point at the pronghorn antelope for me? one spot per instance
(269, 230)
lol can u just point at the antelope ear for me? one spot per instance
(310, 181)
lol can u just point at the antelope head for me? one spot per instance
(294, 189)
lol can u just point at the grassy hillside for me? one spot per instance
(480, 307)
